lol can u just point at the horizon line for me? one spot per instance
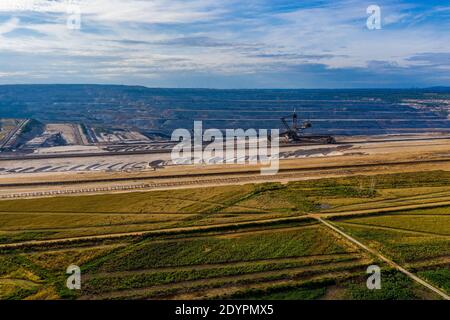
(221, 89)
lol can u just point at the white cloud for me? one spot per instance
(9, 25)
(137, 11)
(151, 37)
(12, 74)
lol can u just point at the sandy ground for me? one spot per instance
(67, 130)
(135, 165)
(315, 165)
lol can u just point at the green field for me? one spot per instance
(247, 241)
(419, 240)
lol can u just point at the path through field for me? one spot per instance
(388, 261)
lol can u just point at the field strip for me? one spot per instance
(113, 225)
(407, 201)
(428, 195)
(98, 212)
(257, 223)
(234, 233)
(316, 259)
(83, 248)
(167, 223)
(399, 203)
(328, 214)
(214, 289)
(250, 277)
(99, 226)
(224, 292)
(167, 231)
(388, 261)
(411, 215)
(5, 282)
(88, 213)
(219, 234)
(217, 203)
(374, 226)
(444, 261)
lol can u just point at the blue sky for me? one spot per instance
(226, 43)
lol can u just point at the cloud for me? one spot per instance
(200, 41)
(9, 25)
(432, 58)
(124, 41)
(296, 56)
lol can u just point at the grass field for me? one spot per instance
(229, 242)
(418, 239)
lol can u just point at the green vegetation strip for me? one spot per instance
(112, 283)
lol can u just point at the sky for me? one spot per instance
(225, 43)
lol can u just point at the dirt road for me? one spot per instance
(388, 261)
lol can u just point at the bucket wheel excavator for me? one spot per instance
(295, 133)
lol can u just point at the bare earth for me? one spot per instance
(400, 155)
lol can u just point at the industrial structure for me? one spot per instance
(295, 133)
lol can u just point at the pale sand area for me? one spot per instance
(384, 155)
